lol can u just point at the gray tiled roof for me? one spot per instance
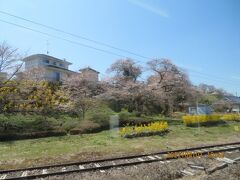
(233, 99)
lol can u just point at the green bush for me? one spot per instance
(100, 118)
(85, 126)
(42, 124)
(126, 118)
(70, 124)
(124, 115)
(14, 123)
(100, 115)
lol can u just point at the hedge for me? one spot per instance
(32, 135)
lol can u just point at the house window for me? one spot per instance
(54, 63)
(61, 65)
(46, 61)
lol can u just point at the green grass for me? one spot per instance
(52, 150)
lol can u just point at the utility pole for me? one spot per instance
(197, 114)
(47, 46)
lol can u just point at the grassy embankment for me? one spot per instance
(28, 126)
(51, 150)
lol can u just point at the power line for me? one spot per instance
(212, 76)
(57, 37)
(212, 79)
(75, 35)
(92, 47)
(208, 76)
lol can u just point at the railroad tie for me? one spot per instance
(185, 172)
(44, 171)
(197, 167)
(141, 159)
(214, 149)
(223, 147)
(151, 157)
(226, 160)
(113, 163)
(25, 173)
(81, 167)
(237, 159)
(64, 169)
(221, 166)
(127, 160)
(98, 166)
(158, 157)
(3, 176)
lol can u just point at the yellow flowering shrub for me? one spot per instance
(27, 95)
(8, 94)
(155, 127)
(231, 117)
(194, 119)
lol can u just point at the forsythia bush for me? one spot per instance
(194, 119)
(27, 95)
(8, 96)
(155, 127)
(231, 117)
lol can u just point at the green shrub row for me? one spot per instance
(20, 126)
(40, 134)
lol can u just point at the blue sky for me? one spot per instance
(203, 37)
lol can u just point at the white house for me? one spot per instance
(54, 69)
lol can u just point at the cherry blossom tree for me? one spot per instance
(82, 93)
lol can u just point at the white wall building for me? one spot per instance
(54, 69)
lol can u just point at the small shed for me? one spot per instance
(201, 109)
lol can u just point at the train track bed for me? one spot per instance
(154, 170)
(163, 171)
(190, 165)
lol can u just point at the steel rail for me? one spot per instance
(112, 160)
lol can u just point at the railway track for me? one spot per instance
(103, 164)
